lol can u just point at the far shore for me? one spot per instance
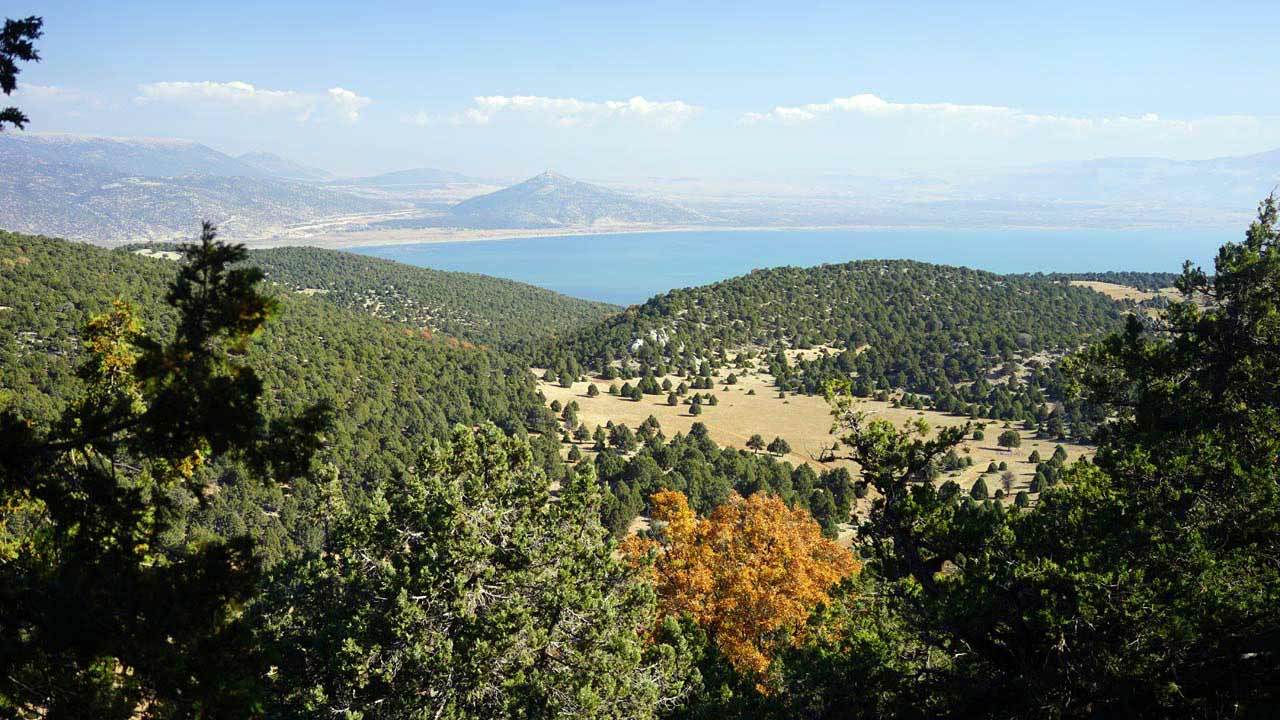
(435, 236)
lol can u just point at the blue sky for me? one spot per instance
(729, 89)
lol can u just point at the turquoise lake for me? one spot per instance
(630, 268)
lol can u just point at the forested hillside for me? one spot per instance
(973, 341)
(246, 507)
(476, 308)
(392, 389)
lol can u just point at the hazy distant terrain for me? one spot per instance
(273, 165)
(552, 200)
(111, 191)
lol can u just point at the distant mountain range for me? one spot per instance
(148, 157)
(112, 191)
(1226, 182)
(552, 200)
(273, 165)
(415, 178)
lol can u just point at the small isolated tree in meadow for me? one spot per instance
(756, 443)
(592, 390)
(695, 409)
(1007, 479)
(979, 435)
(1034, 457)
(979, 490)
(778, 446)
(636, 394)
(672, 399)
(1009, 439)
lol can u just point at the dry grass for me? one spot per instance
(803, 421)
(1125, 292)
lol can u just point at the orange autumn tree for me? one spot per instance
(749, 574)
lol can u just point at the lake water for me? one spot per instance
(630, 268)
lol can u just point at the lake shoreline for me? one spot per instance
(607, 268)
(449, 236)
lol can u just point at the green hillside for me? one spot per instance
(393, 390)
(477, 308)
(954, 334)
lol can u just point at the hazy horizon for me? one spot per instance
(625, 93)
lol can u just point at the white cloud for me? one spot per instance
(46, 92)
(567, 112)
(347, 103)
(336, 102)
(991, 117)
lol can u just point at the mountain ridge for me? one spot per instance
(550, 199)
(276, 166)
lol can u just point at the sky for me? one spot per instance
(626, 90)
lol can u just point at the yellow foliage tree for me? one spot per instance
(750, 573)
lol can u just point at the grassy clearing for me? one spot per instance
(803, 421)
(1125, 292)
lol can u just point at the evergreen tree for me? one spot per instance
(1009, 439)
(979, 490)
(1179, 588)
(466, 592)
(103, 607)
(17, 44)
